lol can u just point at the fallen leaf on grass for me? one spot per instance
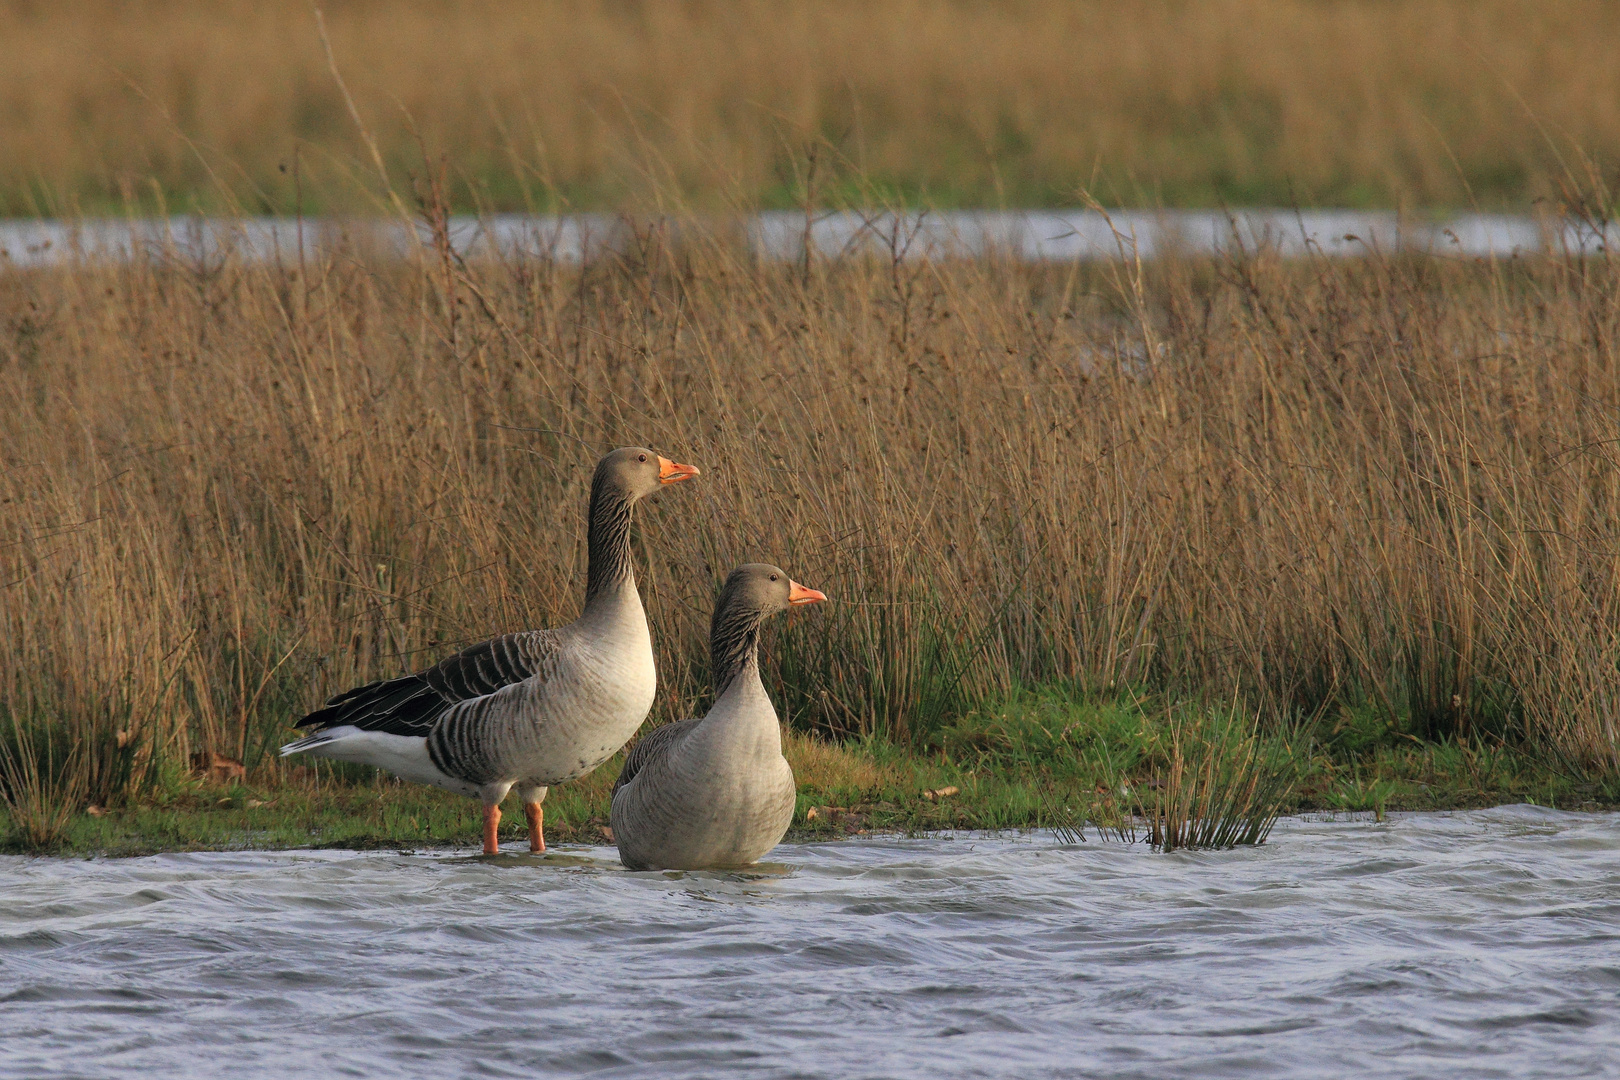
(836, 815)
(217, 767)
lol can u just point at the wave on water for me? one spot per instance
(1458, 944)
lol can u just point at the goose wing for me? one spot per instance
(411, 704)
(656, 744)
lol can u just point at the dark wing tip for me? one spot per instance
(402, 706)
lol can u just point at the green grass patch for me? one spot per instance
(1134, 767)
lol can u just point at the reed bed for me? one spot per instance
(1385, 485)
(228, 104)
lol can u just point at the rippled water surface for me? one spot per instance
(1478, 944)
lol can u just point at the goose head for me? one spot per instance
(634, 472)
(760, 589)
(752, 592)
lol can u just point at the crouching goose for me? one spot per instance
(529, 709)
(715, 791)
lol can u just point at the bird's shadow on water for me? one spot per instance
(549, 860)
(574, 860)
(757, 872)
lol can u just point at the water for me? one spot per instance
(1476, 944)
(1028, 235)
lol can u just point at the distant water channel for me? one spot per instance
(1473, 945)
(1030, 236)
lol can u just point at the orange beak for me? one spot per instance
(673, 472)
(798, 594)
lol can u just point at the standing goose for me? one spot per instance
(529, 709)
(715, 791)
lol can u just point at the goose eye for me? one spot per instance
(643, 457)
(773, 577)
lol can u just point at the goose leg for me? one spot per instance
(536, 816)
(492, 824)
(531, 796)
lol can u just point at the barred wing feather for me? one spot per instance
(654, 745)
(412, 704)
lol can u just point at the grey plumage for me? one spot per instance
(715, 791)
(650, 747)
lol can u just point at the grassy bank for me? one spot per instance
(225, 104)
(1039, 761)
(1296, 492)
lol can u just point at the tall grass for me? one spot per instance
(231, 490)
(602, 102)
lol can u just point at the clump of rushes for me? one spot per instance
(42, 785)
(1221, 783)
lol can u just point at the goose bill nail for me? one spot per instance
(798, 594)
(673, 472)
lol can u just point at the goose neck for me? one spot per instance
(734, 650)
(610, 569)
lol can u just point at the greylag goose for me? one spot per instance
(715, 791)
(529, 709)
